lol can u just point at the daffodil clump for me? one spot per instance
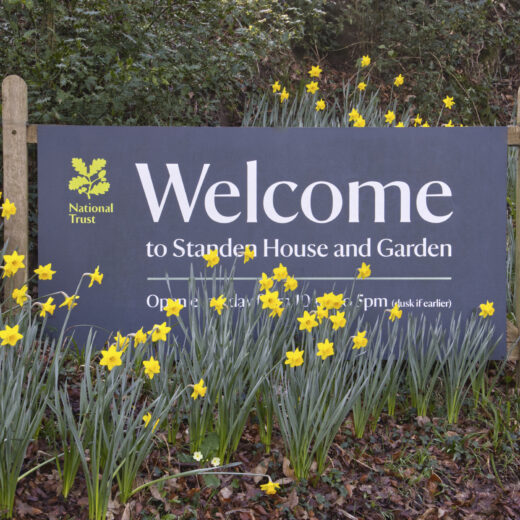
(277, 357)
(309, 104)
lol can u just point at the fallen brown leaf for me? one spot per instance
(24, 509)
(225, 494)
(262, 469)
(286, 467)
(421, 420)
(292, 500)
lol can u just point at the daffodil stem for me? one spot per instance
(198, 472)
(189, 473)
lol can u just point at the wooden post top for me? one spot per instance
(14, 100)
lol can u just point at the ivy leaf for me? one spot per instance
(80, 166)
(97, 164)
(76, 182)
(100, 188)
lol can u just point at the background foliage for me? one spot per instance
(193, 62)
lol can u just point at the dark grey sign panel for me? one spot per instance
(426, 208)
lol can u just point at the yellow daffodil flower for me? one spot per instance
(280, 273)
(426, 125)
(338, 320)
(13, 262)
(47, 307)
(147, 418)
(395, 312)
(486, 309)
(20, 295)
(276, 311)
(8, 209)
(400, 125)
(320, 105)
(325, 349)
(294, 358)
(151, 367)
(276, 87)
(8, 270)
(449, 124)
(360, 122)
(173, 307)
(249, 254)
(399, 80)
(365, 61)
(321, 312)
(284, 95)
(212, 258)
(269, 299)
(199, 389)
(353, 115)
(417, 121)
(140, 337)
(448, 102)
(10, 335)
(362, 85)
(96, 276)
(270, 488)
(364, 271)
(359, 340)
(45, 272)
(69, 302)
(121, 342)
(111, 358)
(338, 301)
(307, 321)
(290, 284)
(389, 117)
(159, 332)
(315, 72)
(265, 282)
(327, 300)
(218, 303)
(312, 87)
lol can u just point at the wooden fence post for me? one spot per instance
(14, 134)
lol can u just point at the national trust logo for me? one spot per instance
(92, 181)
(89, 181)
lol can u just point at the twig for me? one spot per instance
(365, 465)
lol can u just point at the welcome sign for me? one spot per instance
(426, 208)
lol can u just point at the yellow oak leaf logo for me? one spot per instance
(91, 181)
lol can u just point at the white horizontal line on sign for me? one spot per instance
(251, 278)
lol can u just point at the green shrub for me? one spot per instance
(134, 62)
